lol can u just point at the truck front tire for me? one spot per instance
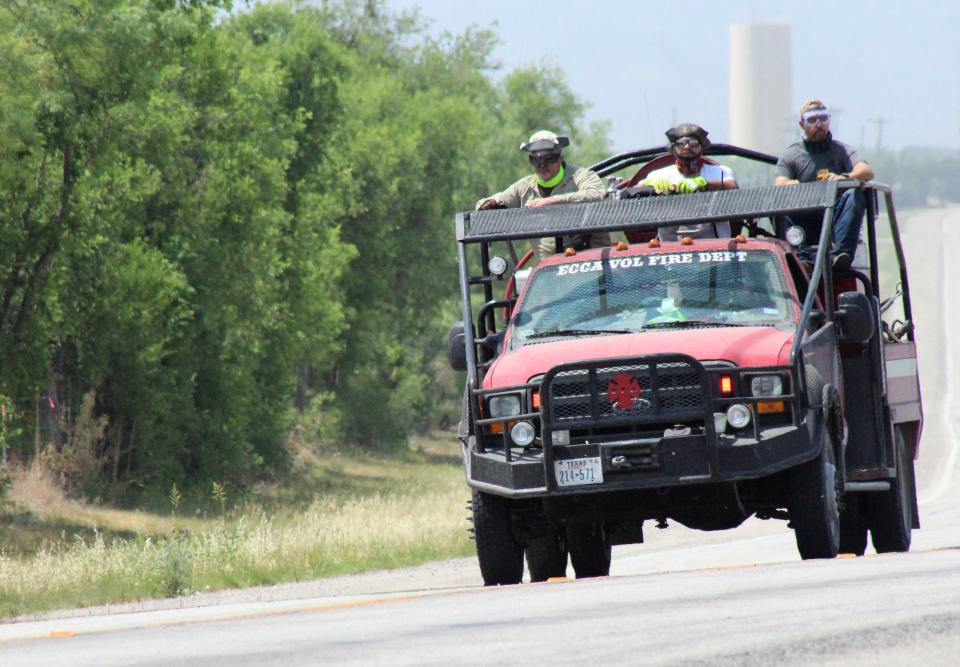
(501, 558)
(590, 550)
(547, 556)
(814, 509)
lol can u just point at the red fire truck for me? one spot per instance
(703, 381)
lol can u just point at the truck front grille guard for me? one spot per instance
(478, 402)
(655, 390)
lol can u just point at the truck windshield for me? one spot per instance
(654, 292)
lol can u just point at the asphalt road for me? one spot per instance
(738, 597)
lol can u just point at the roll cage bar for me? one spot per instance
(630, 158)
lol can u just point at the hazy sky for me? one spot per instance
(642, 64)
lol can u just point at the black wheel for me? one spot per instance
(814, 511)
(501, 558)
(890, 513)
(853, 525)
(589, 547)
(547, 556)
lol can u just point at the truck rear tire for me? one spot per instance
(590, 550)
(890, 513)
(853, 525)
(814, 509)
(501, 558)
(547, 556)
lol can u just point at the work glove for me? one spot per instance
(491, 203)
(661, 186)
(692, 184)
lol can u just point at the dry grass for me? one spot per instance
(36, 492)
(35, 488)
(416, 514)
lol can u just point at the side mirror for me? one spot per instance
(855, 317)
(492, 342)
(456, 348)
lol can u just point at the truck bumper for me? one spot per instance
(644, 463)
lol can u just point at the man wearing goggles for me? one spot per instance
(690, 173)
(820, 157)
(554, 181)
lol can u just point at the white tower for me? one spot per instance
(761, 104)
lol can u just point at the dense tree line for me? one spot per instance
(223, 227)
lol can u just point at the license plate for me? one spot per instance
(577, 472)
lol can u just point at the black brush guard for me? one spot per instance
(673, 394)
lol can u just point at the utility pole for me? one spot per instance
(880, 121)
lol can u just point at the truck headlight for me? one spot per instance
(738, 415)
(504, 405)
(497, 265)
(766, 385)
(795, 236)
(523, 433)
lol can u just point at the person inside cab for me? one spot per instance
(553, 181)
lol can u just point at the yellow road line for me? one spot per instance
(262, 613)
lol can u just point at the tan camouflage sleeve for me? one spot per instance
(511, 197)
(589, 188)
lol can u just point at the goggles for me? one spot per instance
(687, 141)
(816, 117)
(543, 160)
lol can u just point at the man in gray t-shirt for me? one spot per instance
(820, 157)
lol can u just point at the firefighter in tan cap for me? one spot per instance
(554, 181)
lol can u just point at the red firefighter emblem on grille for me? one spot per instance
(623, 390)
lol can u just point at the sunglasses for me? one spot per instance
(543, 160)
(820, 119)
(687, 141)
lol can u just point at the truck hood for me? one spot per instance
(746, 346)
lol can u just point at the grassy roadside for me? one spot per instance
(342, 514)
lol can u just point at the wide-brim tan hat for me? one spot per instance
(545, 140)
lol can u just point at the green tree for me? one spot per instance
(212, 218)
